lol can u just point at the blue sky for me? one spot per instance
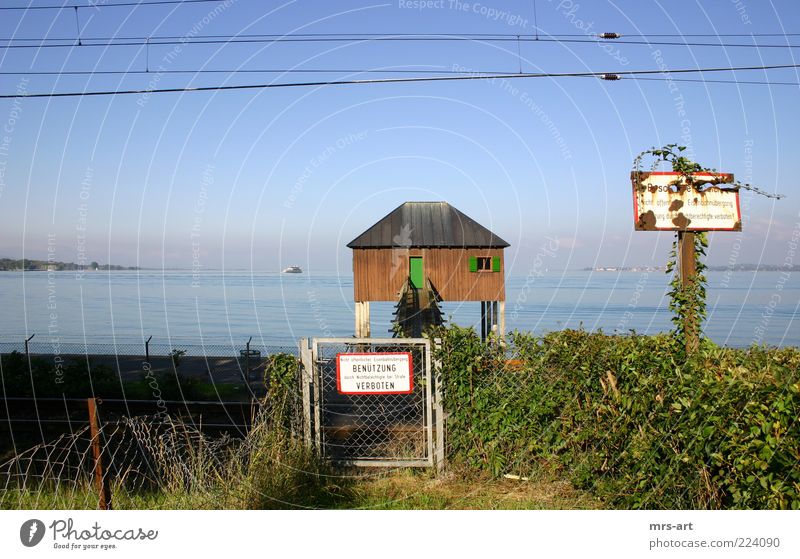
(266, 178)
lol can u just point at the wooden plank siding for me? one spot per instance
(379, 273)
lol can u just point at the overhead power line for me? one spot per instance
(106, 42)
(603, 75)
(513, 36)
(707, 34)
(700, 80)
(352, 71)
(97, 5)
(237, 71)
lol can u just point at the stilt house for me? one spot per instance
(434, 252)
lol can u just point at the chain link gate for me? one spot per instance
(400, 426)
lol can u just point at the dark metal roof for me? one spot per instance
(427, 224)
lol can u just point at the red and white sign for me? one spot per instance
(374, 373)
(667, 201)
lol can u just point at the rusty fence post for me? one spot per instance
(688, 271)
(100, 480)
(27, 350)
(247, 362)
(147, 350)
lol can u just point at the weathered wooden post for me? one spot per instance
(688, 270)
(100, 480)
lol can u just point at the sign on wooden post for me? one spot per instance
(671, 201)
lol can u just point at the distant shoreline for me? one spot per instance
(599, 269)
(735, 268)
(32, 265)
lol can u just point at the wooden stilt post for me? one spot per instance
(483, 321)
(362, 319)
(688, 270)
(306, 378)
(501, 325)
(100, 480)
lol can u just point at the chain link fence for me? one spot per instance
(371, 429)
(58, 346)
(239, 362)
(143, 453)
(45, 383)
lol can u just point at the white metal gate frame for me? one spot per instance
(312, 388)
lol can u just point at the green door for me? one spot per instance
(415, 271)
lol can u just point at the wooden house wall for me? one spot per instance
(379, 273)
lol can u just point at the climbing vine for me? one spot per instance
(673, 154)
(280, 377)
(688, 298)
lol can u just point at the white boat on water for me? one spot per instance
(293, 270)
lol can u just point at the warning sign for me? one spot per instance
(374, 373)
(666, 201)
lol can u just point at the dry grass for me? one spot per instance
(407, 489)
(377, 490)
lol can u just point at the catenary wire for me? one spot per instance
(235, 71)
(107, 42)
(690, 80)
(413, 79)
(108, 5)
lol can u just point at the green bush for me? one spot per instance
(626, 418)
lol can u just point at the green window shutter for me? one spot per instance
(495, 263)
(473, 263)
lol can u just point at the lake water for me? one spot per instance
(276, 309)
